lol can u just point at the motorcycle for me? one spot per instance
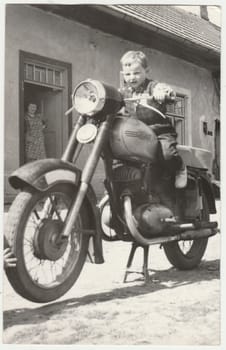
(56, 216)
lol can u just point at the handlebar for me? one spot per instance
(146, 97)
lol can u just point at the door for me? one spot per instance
(53, 114)
(47, 83)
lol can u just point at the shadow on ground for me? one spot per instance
(164, 279)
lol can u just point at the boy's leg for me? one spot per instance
(181, 177)
(172, 158)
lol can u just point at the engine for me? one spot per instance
(148, 211)
(129, 179)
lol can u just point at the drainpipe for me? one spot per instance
(204, 12)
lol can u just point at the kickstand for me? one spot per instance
(144, 271)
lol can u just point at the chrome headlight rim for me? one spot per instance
(101, 97)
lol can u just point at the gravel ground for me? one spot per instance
(173, 308)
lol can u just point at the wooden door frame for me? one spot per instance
(23, 56)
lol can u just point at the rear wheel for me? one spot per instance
(186, 255)
(47, 266)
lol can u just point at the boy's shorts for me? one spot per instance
(169, 152)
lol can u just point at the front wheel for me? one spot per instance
(186, 255)
(47, 267)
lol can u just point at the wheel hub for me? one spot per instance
(47, 240)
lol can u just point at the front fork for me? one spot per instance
(87, 175)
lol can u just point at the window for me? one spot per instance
(176, 112)
(41, 74)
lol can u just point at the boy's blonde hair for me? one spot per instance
(134, 56)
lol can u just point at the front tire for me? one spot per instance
(46, 267)
(186, 255)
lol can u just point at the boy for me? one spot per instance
(135, 69)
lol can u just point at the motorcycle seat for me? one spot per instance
(195, 157)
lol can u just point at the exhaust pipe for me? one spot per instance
(190, 225)
(195, 234)
(191, 232)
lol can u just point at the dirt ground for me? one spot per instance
(173, 308)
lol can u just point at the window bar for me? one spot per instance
(25, 71)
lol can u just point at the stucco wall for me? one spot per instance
(92, 54)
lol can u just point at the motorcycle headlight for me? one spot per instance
(89, 97)
(92, 96)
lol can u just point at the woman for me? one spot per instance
(34, 136)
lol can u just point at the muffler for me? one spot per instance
(175, 227)
(200, 233)
(177, 232)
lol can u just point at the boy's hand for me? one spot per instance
(9, 258)
(161, 92)
(159, 96)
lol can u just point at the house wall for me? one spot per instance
(93, 54)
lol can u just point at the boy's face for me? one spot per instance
(134, 75)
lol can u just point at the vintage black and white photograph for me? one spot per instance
(112, 174)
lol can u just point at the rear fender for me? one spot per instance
(209, 192)
(43, 174)
(207, 187)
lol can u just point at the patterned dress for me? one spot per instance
(34, 138)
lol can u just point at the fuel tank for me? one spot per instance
(133, 140)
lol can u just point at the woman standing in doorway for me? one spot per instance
(34, 136)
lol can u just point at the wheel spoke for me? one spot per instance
(35, 218)
(54, 208)
(185, 246)
(36, 214)
(35, 266)
(29, 242)
(52, 271)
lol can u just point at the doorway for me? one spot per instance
(47, 83)
(50, 108)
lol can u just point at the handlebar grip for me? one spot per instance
(168, 97)
(171, 97)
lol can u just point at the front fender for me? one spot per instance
(43, 174)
